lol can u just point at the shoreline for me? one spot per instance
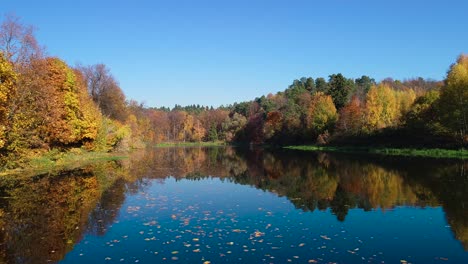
(406, 152)
(50, 162)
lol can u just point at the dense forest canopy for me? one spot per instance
(47, 104)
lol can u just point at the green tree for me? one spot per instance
(340, 88)
(363, 86)
(423, 117)
(213, 133)
(232, 126)
(321, 85)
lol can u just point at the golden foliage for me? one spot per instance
(7, 90)
(381, 107)
(454, 99)
(321, 113)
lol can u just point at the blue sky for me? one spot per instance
(220, 52)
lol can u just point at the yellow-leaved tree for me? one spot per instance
(321, 114)
(7, 90)
(381, 107)
(453, 102)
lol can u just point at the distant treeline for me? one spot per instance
(337, 110)
(46, 104)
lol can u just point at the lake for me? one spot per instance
(235, 205)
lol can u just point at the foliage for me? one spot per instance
(381, 107)
(232, 126)
(8, 79)
(454, 100)
(321, 114)
(105, 91)
(423, 116)
(213, 134)
(351, 118)
(71, 117)
(112, 135)
(339, 88)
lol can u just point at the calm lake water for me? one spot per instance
(232, 205)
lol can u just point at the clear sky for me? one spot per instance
(220, 52)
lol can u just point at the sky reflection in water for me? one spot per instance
(261, 206)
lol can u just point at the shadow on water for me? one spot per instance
(42, 218)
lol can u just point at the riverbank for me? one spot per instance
(430, 153)
(54, 160)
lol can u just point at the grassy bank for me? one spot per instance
(53, 161)
(191, 144)
(432, 153)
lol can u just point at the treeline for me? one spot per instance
(47, 104)
(356, 111)
(337, 110)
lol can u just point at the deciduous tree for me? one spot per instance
(8, 79)
(454, 99)
(351, 118)
(321, 114)
(381, 107)
(17, 41)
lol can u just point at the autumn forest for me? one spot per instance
(46, 104)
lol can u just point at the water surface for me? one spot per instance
(231, 205)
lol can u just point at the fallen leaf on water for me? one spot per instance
(258, 234)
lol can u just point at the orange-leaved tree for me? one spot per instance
(351, 118)
(70, 117)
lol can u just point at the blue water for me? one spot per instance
(258, 206)
(217, 221)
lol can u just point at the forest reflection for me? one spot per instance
(42, 218)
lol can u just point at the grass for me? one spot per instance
(191, 144)
(432, 153)
(54, 160)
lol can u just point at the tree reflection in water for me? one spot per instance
(43, 217)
